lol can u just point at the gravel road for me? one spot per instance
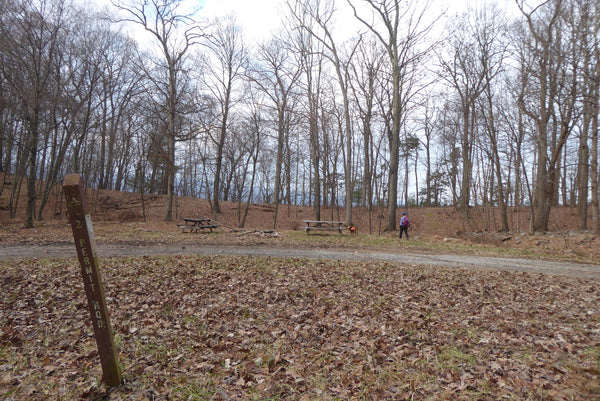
(449, 260)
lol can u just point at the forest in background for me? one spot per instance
(415, 109)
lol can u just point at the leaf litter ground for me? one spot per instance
(243, 328)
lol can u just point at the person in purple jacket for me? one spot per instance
(404, 224)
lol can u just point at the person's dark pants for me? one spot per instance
(404, 229)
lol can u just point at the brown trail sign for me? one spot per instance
(85, 243)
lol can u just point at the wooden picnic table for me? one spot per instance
(323, 225)
(195, 225)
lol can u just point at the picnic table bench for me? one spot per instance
(323, 225)
(195, 225)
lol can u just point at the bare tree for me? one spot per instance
(404, 30)
(544, 26)
(586, 22)
(175, 32)
(493, 50)
(31, 32)
(451, 153)
(227, 61)
(464, 72)
(366, 67)
(254, 126)
(276, 73)
(567, 110)
(311, 62)
(592, 104)
(431, 129)
(76, 82)
(321, 12)
(120, 84)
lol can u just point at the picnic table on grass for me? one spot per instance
(195, 225)
(323, 225)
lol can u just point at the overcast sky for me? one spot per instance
(257, 16)
(260, 18)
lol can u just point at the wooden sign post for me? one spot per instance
(85, 243)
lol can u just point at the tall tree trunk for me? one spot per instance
(171, 109)
(220, 149)
(315, 158)
(546, 46)
(467, 162)
(32, 169)
(394, 141)
(493, 134)
(368, 173)
(279, 160)
(541, 203)
(583, 166)
(595, 176)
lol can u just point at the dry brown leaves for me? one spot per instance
(202, 328)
